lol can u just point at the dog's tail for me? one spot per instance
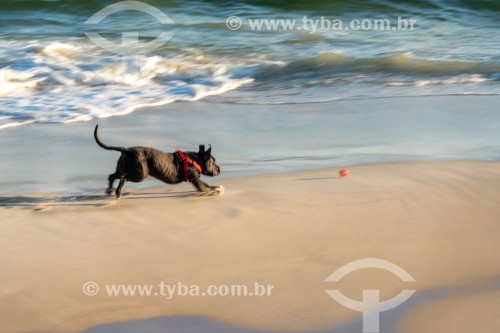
(102, 145)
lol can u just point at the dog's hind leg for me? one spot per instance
(111, 179)
(120, 186)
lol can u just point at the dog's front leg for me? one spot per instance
(201, 185)
(207, 189)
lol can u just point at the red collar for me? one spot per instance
(187, 162)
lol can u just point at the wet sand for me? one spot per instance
(436, 220)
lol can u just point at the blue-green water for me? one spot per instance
(50, 71)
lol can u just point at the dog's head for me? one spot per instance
(207, 162)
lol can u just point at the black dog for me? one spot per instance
(136, 163)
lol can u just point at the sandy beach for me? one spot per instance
(436, 220)
(358, 146)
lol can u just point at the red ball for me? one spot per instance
(344, 172)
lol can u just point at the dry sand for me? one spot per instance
(439, 221)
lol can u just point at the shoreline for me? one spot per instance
(254, 139)
(436, 220)
(186, 190)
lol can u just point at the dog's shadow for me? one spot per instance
(159, 195)
(92, 200)
(65, 200)
(162, 195)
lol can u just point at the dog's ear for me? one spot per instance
(207, 153)
(204, 154)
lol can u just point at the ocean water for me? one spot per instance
(52, 72)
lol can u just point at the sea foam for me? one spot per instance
(65, 82)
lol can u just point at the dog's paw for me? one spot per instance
(214, 190)
(220, 189)
(217, 190)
